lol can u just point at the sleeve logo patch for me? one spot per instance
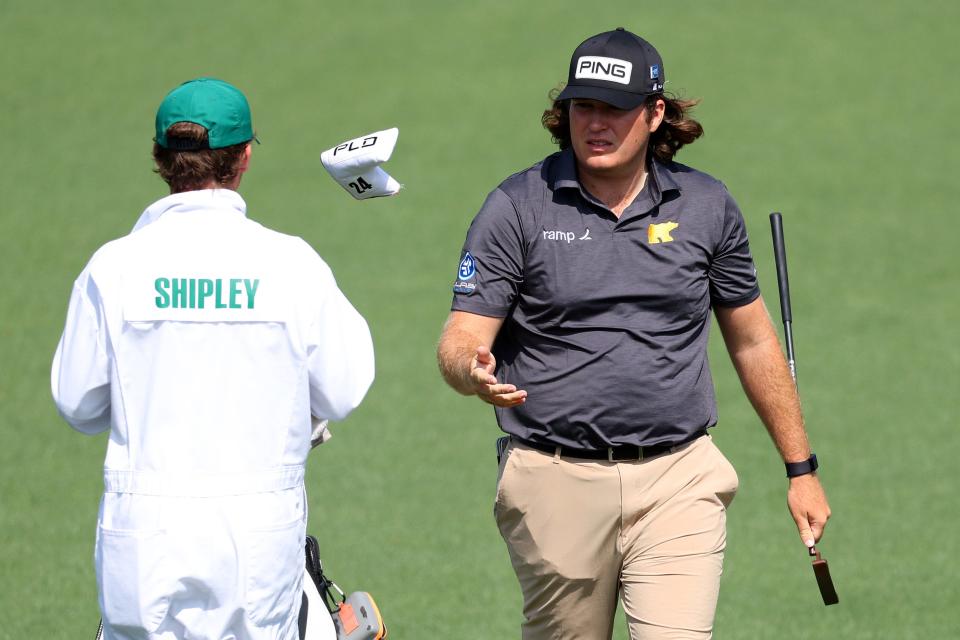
(468, 267)
(657, 233)
(465, 273)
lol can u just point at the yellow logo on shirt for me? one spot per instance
(657, 233)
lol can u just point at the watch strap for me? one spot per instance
(795, 469)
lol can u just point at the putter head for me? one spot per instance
(822, 572)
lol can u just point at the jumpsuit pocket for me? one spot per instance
(133, 580)
(275, 568)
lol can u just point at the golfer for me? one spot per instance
(581, 311)
(204, 342)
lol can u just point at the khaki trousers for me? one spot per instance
(581, 533)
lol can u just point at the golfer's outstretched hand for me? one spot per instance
(808, 506)
(485, 383)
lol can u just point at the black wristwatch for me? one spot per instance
(795, 469)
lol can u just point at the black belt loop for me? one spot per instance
(622, 453)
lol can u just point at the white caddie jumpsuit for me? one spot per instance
(204, 342)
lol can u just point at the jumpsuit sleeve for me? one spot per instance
(80, 376)
(339, 353)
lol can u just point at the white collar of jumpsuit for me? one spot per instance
(205, 199)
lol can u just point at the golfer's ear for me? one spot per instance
(657, 114)
(245, 162)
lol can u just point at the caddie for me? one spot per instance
(206, 344)
(581, 311)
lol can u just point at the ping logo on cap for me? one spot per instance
(601, 68)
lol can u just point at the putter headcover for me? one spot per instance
(355, 164)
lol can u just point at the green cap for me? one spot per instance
(216, 105)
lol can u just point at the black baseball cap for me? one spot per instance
(616, 67)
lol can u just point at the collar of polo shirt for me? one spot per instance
(563, 175)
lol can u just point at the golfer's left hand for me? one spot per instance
(808, 506)
(486, 385)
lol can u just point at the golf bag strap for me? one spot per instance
(325, 586)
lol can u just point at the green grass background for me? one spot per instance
(843, 115)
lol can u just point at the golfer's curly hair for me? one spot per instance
(676, 130)
(192, 170)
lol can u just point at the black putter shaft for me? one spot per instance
(783, 281)
(820, 568)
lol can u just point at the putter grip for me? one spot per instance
(780, 258)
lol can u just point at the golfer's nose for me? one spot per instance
(598, 121)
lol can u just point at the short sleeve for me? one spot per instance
(732, 274)
(490, 271)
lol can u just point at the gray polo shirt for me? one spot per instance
(606, 320)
